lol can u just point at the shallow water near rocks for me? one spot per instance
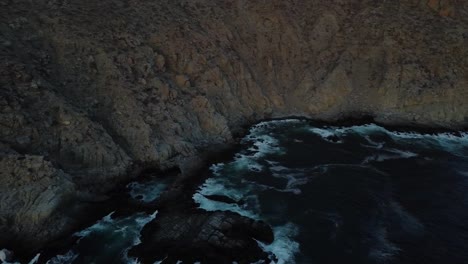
(357, 194)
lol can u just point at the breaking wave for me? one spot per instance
(328, 191)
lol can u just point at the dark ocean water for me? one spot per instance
(359, 194)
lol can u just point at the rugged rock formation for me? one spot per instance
(101, 88)
(219, 237)
(31, 191)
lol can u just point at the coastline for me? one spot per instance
(178, 195)
(91, 100)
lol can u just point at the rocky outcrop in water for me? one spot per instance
(97, 89)
(220, 237)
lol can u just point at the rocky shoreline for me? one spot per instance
(181, 231)
(89, 99)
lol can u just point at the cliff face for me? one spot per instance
(93, 89)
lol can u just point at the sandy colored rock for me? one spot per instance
(182, 81)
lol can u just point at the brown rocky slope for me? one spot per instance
(93, 90)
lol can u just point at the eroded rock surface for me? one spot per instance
(32, 191)
(101, 88)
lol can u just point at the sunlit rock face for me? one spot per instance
(100, 88)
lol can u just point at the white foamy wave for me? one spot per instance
(67, 258)
(456, 144)
(120, 234)
(97, 227)
(263, 145)
(293, 180)
(361, 129)
(259, 144)
(141, 222)
(295, 177)
(223, 187)
(284, 247)
(373, 144)
(6, 255)
(219, 186)
(35, 259)
(278, 168)
(326, 134)
(403, 153)
(246, 162)
(446, 141)
(267, 125)
(390, 155)
(339, 132)
(147, 191)
(216, 169)
(210, 206)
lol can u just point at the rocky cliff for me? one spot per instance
(93, 90)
